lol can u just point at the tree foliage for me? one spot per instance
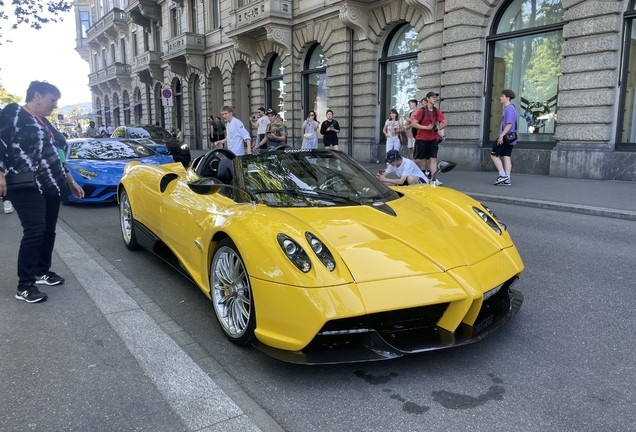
(6, 97)
(34, 13)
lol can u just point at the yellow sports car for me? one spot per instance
(309, 257)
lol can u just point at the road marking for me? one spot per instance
(191, 393)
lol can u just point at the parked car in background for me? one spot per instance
(158, 139)
(97, 165)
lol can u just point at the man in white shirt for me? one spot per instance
(261, 123)
(110, 129)
(236, 133)
(406, 170)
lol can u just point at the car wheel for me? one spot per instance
(231, 294)
(126, 222)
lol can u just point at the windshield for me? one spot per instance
(154, 132)
(108, 149)
(309, 178)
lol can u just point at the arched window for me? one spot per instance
(398, 67)
(274, 86)
(626, 131)
(315, 82)
(525, 57)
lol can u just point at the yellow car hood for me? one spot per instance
(375, 245)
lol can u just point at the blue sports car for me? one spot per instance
(97, 165)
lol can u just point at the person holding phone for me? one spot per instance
(260, 123)
(310, 134)
(392, 129)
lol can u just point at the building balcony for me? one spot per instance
(110, 26)
(184, 44)
(147, 66)
(184, 53)
(142, 12)
(113, 72)
(251, 20)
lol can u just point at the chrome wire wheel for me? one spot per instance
(126, 222)
(232, 294)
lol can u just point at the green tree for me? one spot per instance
(34, 13)
(6, 97)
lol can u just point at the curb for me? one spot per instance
(551, 205)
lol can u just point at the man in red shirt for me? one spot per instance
(428, 121)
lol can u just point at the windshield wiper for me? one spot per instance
(309, 193)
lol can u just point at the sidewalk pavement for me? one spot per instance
(608, 198)
(100, 355)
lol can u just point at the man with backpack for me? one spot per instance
(428, 122)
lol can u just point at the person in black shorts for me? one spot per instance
(428, 121)
(329, 131)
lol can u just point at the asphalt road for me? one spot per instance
(565, 363)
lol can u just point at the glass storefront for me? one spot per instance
(400, 71)
(527, 60)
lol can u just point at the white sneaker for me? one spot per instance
(438, 183)
(8, 207)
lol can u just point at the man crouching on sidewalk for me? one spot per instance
(406, 170)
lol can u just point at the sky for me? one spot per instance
(47, 54)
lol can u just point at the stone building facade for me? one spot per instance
(568, 61)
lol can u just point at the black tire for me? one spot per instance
(126, 222)
(231, 294)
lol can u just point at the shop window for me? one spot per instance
(525, 57)
(398, 67)
(626, 131)
(315, 82)
(275, 87)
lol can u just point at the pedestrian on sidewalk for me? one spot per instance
(428, 121)
(410, 131)
(260, 124)
(501, 151)
(329, 129)
(220, 127)
(236, 134)
(392, 130)
(276, 132)
(30, 145)
(310, 134)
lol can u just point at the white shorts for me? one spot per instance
(392, 144)
(411, 143)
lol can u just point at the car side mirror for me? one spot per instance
(445, 166)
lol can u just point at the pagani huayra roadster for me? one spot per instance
(310, 258)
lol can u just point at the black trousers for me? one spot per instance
(38, 215)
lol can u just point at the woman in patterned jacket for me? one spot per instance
(30, 144)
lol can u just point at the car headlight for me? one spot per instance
(503, 225)
(294, 252)
(486, 217)
(321, 251)
(184, 146)
(90, 175)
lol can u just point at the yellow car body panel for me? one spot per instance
(434, 250)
